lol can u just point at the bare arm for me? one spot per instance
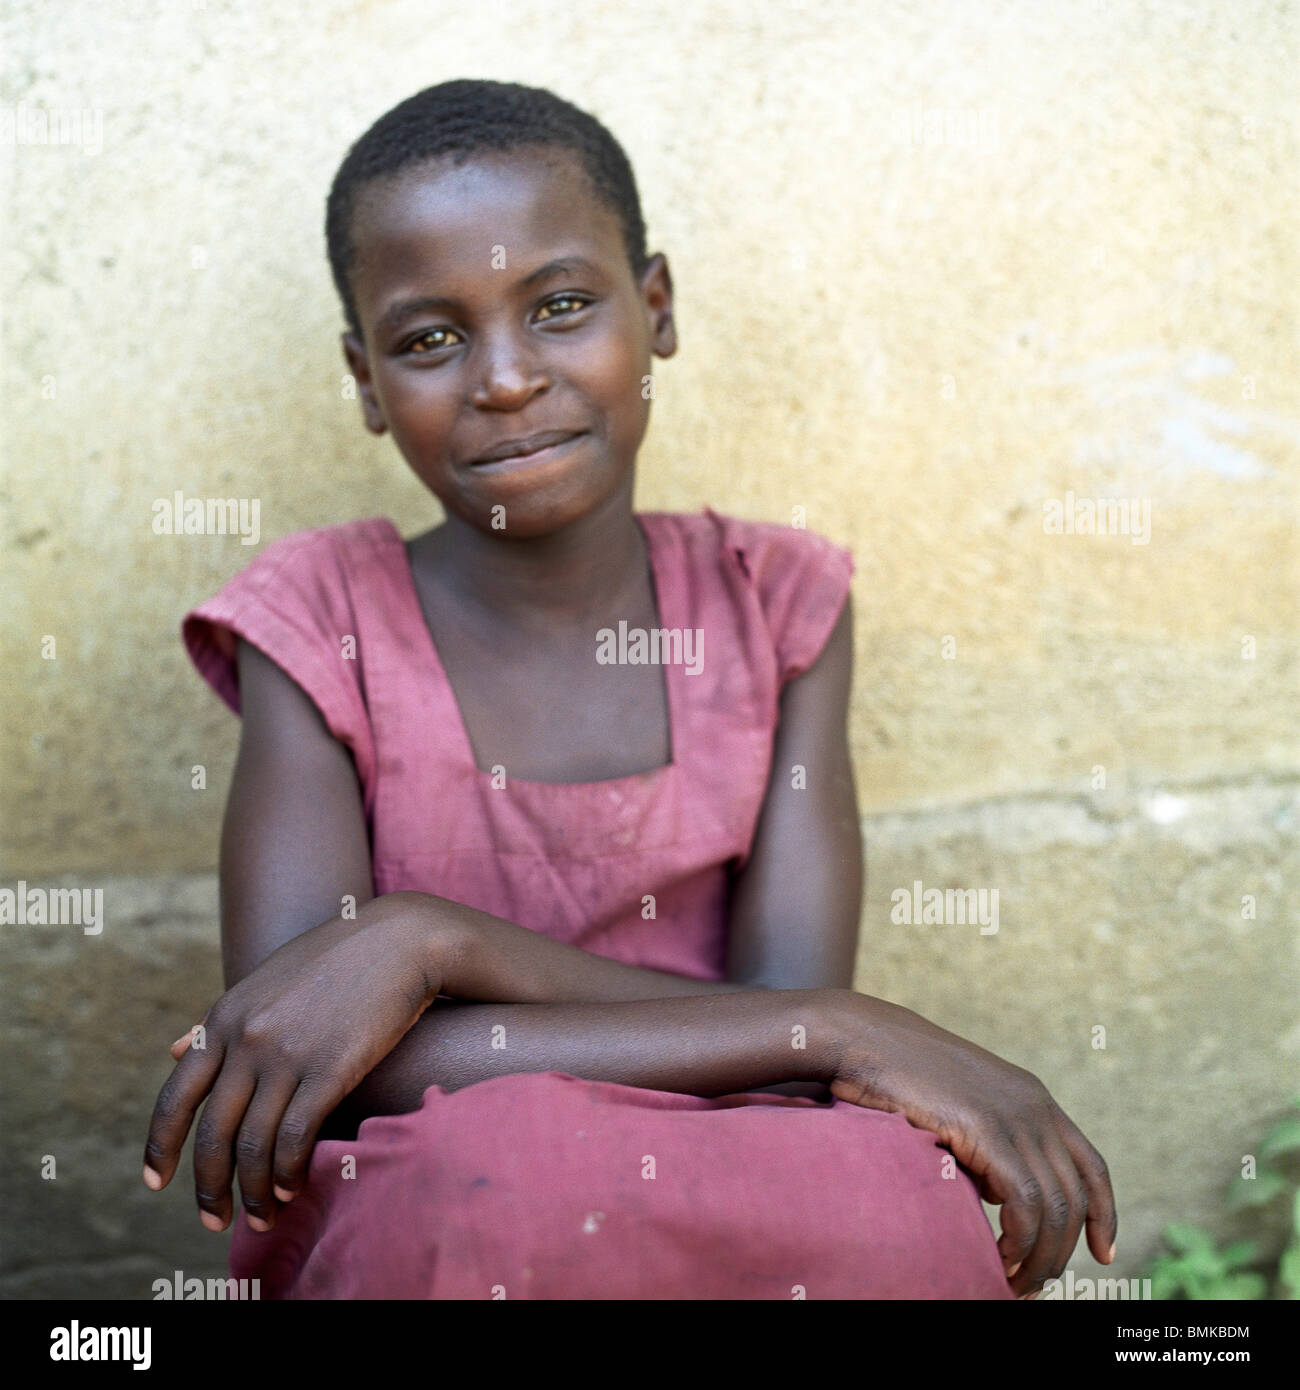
(306, 987)
(316, 1012)
(794, 918)
(704, 1046)
(294, 845)
(796, 904)
(295, 834)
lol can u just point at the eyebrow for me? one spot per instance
(405, 308)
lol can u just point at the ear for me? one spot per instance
(354, 353)
(657, 294)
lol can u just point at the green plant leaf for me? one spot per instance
(1164, 1284)
(1232, 1256)
(1187, 1239)
(1289, 1272)
(1241, 1286)
(1255, 1192)
(1283, 1138)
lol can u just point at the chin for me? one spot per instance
(532, 512)
(529, 518)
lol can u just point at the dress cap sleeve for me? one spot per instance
(801, 580)
(293, 603)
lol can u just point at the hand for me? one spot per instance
(1023, 1151)
(284, 1047)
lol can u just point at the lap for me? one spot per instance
(549, 1186)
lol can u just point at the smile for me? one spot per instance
(532, 460)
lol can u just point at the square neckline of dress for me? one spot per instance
(414, 615)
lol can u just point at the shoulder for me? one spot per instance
(766, 551)
(306, 579)
(297, 602)
(322, 558)
(771, 551)
(796, 579)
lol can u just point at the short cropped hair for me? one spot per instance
(461, 118)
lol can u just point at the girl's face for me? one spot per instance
(472, 336)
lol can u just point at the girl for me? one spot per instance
(541, 868)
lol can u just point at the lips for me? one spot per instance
(523, 448)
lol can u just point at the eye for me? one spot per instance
(421, 346)
(414, 345)
(566, 299)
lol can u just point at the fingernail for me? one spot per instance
(284, 1194)
(257, 1223)
(182, 1038)
(1111, 1256)
(1011, 1273)
(151, 1179)
(212, 1221)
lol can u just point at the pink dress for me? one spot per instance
(539, 1185)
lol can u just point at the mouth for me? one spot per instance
(540, 449)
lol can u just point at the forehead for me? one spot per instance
(438, 221)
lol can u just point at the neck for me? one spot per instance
(564, 577)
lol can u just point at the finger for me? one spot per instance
(1102, 1221)
(1076, 1195)
(307, 1111)
(255, 1147)
(1047, 1254)
(214, 1145)
(179, 1048)
(1007, 1181)
(173, 1113)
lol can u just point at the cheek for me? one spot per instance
(621, 360)
(613, 381)
(417, 400)
(421, 413)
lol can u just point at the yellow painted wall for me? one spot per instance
(935, 265)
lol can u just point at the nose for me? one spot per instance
(510, 369)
